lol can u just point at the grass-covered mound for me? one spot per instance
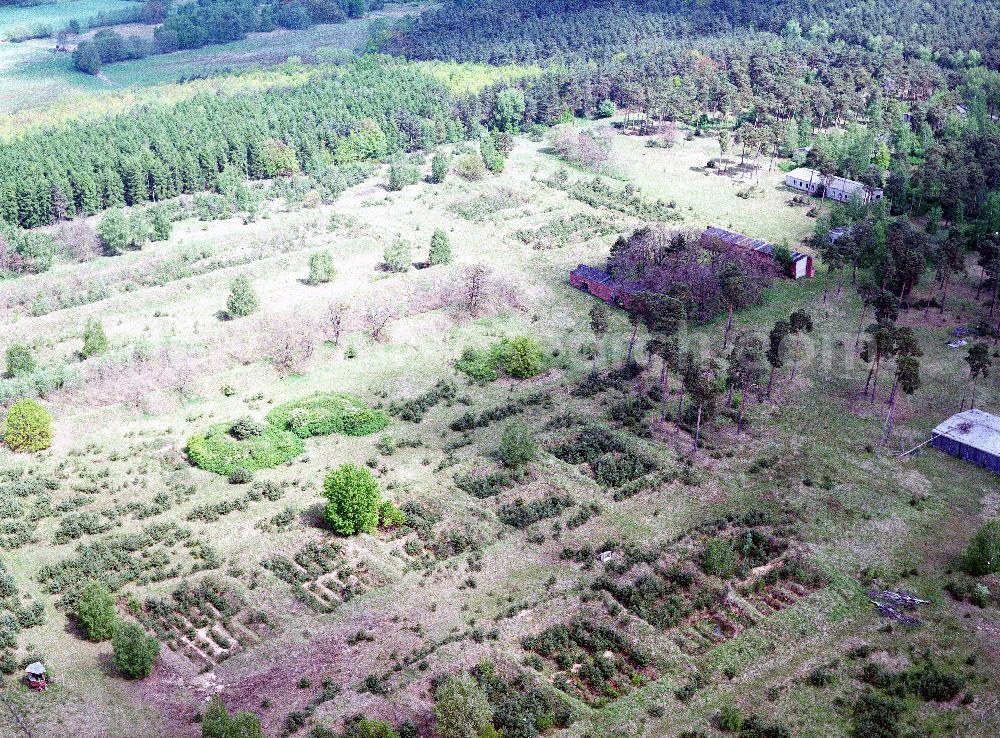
(221, 450)
(327, 412)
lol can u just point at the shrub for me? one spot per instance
(324, 413)
(114, 232)
(20, 362)
(875, 716)
(95, 612)
(718, 558)
(439, 167)
(398, 256)
(95, 341)
(242, 300)
(470, 167)
(135, 652)
(605, 109)
(389, 515)
(246, 427)
(461, 708)
(28, 427)
(440, 251)
(218, 723)
(217, 450)
(517, 445)
(401, 174)
(479, 365)
(321, 268)
(240, 475)
(353, 500)
(983, 554)
(521, 357)
(160, 223)
(730, 718)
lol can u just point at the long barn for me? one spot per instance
(800, 266)
(973, 436)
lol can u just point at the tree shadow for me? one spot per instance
(312, 517)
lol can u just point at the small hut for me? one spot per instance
(37, 678)
(973, 436)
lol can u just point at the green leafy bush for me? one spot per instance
(28, 427)
(479, 365)
(321, 267)
(95, 612)
(983, 554)
(353, 500)
(439, 167)
(398, 256)
(521, 357)
(217, 450)
(246, 427)
(242, 299)
(401, 174)
(135, 652)
(324, 413)
(20, 362)
(517, 445)
(718, 558)
(218, 723)
(95, 341)
(440, 251)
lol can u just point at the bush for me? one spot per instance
(218, 723)
(28, 427)
(294, 16)
(398, 256)
(521, 357)
(87, 58)
(875, 716)
(95, 612)
(730, 718)
(20, 362)
(605, 109)
(401, 174)
(114, 232)
(718, 558)
(321, 268)
(327, 412)
(517, 445)
(439, 167)
(95, 341)
(983, 554)
(440, 251)
(242, 299)
(353, 500)
(161, 223)
(240, 475)
(461, 708)
(470, 167)
(217, 450)
(479, 365)
(390, 516)
(135, 652)
(245, 428)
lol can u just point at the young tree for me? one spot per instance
(800, 321)
(161, 223)
(114, 232)
(321, 268)
(28, 427)
(982, 557)
(704, 390)
(599, 321)
(517, 445)
(353, 499)
(521, 357)
(979, 361)
(439, 167)
(134, 650)
(398, 256)
(746, 370)
(776, 349)
(95, 611)
(461, 708)
(440, 251)
(880, 344)
(242, 299)
(20, 362)
(337, 314)
(95, 341)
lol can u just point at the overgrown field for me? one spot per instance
(736, 575)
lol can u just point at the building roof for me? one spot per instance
(973, 428)
(593, 274)
(35, 668)
(753, 244)
(833, 183)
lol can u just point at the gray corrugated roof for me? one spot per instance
(834, 183)
(973, 428)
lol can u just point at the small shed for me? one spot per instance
(973, 436)
(36, 676)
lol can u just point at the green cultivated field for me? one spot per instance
(471, 575)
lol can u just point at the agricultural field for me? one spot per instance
(735, 575)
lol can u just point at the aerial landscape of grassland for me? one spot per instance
(371, 371)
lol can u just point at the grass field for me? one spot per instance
(459, 584)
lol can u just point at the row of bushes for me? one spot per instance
(242, 447)
(520, 357)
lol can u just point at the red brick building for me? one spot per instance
(603, 286)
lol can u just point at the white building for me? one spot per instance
(836, 188)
